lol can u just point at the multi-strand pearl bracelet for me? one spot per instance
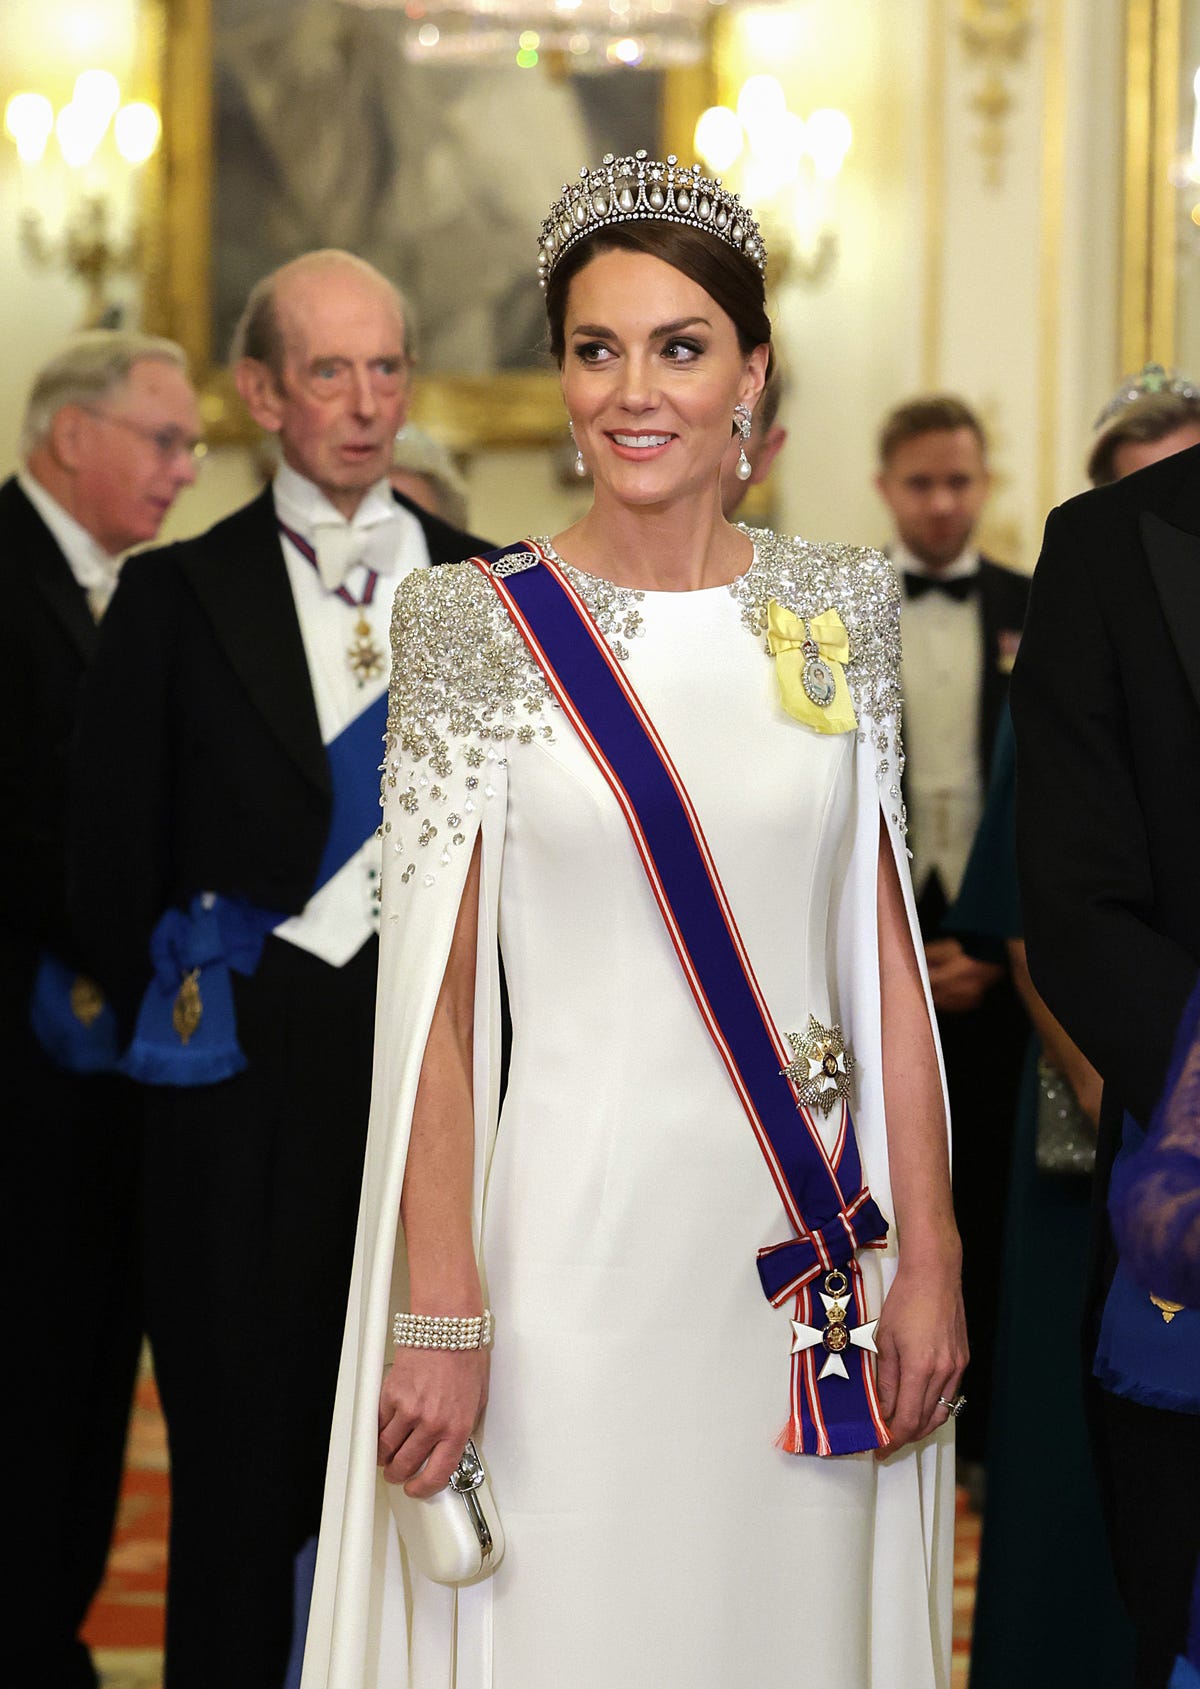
(443, 1331)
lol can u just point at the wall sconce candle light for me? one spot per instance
(86, 186)
(786, 167)
(1185, 171)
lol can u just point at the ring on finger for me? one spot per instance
(954, 1407)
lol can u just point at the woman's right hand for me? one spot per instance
(430, 1403)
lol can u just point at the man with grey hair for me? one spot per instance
(235, 715)
(108, 441)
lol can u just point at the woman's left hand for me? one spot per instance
(922, 1343)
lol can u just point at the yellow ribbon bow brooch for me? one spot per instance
(810, 661)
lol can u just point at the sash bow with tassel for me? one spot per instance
(834, 1410)
(186, 1033)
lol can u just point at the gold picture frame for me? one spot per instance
(468, 412)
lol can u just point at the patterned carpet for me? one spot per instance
(125, 1625)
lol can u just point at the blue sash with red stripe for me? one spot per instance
(830, 1208)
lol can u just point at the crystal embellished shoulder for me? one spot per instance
(459, 667)
(856, 581)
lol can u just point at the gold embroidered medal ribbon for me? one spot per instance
(810, 660)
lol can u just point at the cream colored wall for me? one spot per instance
(943, 281)
(940, 280)
(1083, 359)
(849, 343)
(1028, 285)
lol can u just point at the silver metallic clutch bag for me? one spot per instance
(455, 1536)
(1065, 1140)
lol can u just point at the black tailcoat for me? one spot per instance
(200, 767)
(72, 1320)
(1106, 704)
(200, 759)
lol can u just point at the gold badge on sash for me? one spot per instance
(87, 1000)
(189, 1008)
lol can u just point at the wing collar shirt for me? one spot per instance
(941, 674)
(384, 538)
(94, 568)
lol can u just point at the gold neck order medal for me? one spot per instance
(366, 660)
(365, 657)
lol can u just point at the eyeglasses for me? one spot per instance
(169, 443)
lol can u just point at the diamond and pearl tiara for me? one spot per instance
(1150, 380)
(626, 190)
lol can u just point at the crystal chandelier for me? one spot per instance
(582, 35)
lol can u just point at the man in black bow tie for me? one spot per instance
(960, 626)
(234, 722)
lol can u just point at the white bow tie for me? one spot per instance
(339, 547)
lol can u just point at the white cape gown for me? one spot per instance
(657, 1537)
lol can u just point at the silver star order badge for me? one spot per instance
(835, 1335)
(822, 1068)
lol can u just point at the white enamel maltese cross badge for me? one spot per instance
(835, 1335)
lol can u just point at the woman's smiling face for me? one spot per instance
(651, 373)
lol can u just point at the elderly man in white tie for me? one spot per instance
(233, 723)
(109, 441)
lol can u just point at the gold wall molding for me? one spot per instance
(1152, 45)
(935, 193)
(995, 34)
(1052, 233)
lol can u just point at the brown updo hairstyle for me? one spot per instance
(734, 281)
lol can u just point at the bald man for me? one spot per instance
(233, 720)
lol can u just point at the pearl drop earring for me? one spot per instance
(580, 465)
(742, 419)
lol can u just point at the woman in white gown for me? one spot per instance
(659, 1536)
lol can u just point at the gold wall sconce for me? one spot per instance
(786, 167)
(79, 196)
(1185, 168)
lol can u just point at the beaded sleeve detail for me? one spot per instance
(463, 687)
(459, 668)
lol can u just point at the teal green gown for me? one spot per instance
(1047, 1612)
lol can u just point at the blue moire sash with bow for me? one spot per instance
(186, 1032)
(834, 1410)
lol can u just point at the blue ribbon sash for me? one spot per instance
(354, 758)
(830, 1208)
(71, 1021)
(199, 950)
